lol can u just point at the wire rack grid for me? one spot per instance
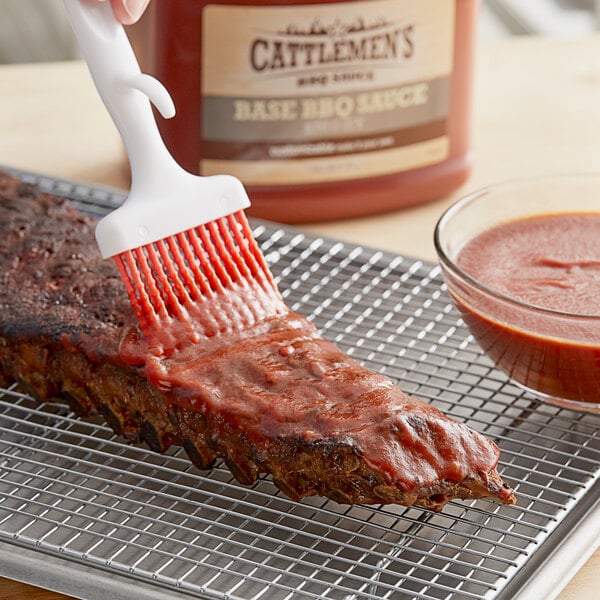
(71, 491)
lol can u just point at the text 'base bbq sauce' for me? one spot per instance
(324, 110)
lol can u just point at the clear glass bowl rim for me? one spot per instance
(470, 199)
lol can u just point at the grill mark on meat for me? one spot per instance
(67, 331)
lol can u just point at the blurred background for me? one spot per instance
(37, 30)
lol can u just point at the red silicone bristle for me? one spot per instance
(197, 274)
(234, 265)
(166, 279)
(205, 235)
(252, 255)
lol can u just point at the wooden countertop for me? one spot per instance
(537, 112)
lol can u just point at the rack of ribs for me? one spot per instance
(273, 398)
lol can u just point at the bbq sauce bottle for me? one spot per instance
(325, 109)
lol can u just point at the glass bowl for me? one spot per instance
(553, 354)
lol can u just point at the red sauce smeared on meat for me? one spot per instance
(550, 262)
(260, 389)
(279, 379)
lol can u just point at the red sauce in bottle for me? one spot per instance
(549, 340)
(324, 109)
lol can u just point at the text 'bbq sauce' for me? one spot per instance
(324, 109)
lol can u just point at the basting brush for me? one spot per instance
(180, 241)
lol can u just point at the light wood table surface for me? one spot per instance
(537, 112)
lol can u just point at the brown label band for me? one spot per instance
(332, 168)
(312, 118)
(287, 149)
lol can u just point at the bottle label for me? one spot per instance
(324, 92)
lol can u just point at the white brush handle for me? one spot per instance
(120, 83)
(164, 199)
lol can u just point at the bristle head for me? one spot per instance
(187, 277)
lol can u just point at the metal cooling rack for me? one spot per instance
(84, 513)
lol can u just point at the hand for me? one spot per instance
(128, 12)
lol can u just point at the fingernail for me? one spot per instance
(135, 8)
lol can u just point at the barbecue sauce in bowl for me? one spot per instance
(529, 291)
